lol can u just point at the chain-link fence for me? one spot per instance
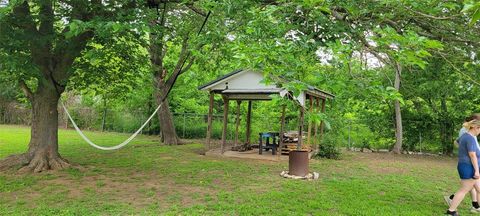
(187, 125)
(14, 114)
(418, 136)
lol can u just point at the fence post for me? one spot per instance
(349, 139)
(104, 118)
(184, 123)
(420, 137)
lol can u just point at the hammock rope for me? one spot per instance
(124, 143)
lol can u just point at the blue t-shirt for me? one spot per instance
(467, 143)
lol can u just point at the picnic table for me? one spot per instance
(267, 136)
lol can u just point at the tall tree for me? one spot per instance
(181, 19)
(47, 36)
(181, 32)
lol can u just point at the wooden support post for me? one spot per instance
(300, 127)
(209, 121)
(237, 123)
(225, 121)
(315, 139)
(310, 122)
(321, 124)
(282, 131)
(249, 119)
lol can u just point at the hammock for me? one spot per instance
(124, 143)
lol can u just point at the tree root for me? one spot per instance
(36, 164)
(14, 161)
(43, 163)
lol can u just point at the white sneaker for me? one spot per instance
(474, 210)
(449, 201)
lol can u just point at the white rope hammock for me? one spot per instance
(124, 143)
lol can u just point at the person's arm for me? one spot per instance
(473, 158)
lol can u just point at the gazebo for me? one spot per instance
(248, 85)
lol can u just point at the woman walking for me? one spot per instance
(475, 206)
(468, 164)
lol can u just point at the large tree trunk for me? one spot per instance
(165, 117)
(42, 151)
(398, 114)
(163, 86)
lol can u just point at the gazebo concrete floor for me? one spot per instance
(251, 154)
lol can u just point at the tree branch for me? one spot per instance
(156, 48)
(184, 55)
(178, 68)
(26, 90)
(430, 16)
(163, 51)
(448, 39)
(66, 54)
(394, 25)
(190, 63)
(458, 70)
(24, 17)
(35, 39)
(46, 19)
(377, 55)
(433, 35)
(68, 49)
(196, 10)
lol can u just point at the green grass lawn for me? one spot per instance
(146, 178)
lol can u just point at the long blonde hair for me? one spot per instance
(473, 123)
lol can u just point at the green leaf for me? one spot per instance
(116, 27)
(468, 7)
(327, 125)
(475, 17)
(389, 88)
(433, 44)
(471, 5)
(75, 28)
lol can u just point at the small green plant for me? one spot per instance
(74, 173)
(328, 150)
(100, 183)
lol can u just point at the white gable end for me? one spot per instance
(243, 80)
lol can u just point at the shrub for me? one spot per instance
(328, 150)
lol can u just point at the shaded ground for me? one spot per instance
(146, 178)
(247, 155)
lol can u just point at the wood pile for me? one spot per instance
(290, 140)
(242, 148)
(291, 147)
